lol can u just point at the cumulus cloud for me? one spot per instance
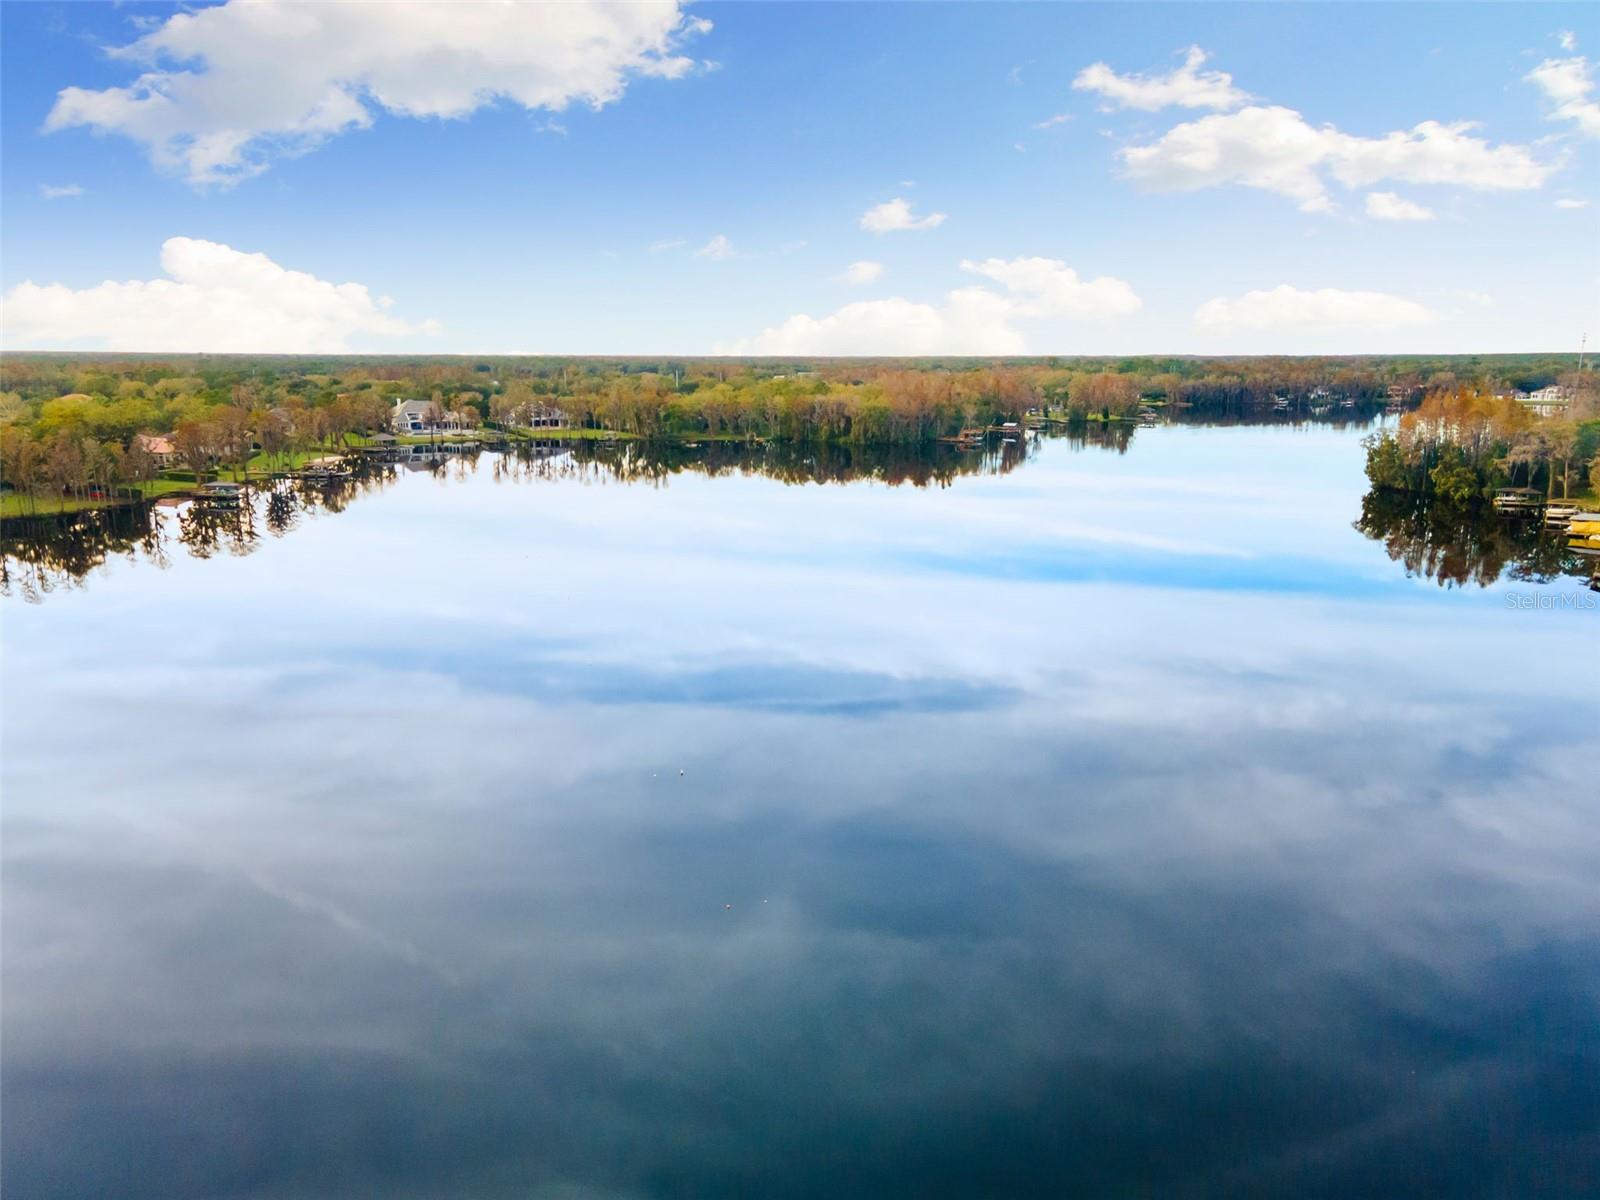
(1290, 308)
(1568, 202)
(1568, 85)
(215, 299)
(1568, 40)
(974, 320)
(1047, 287)
(864, 271)
(970, 321)
(1185, 87)
(59, 191)
(1386, 206)
(895, 215)
(717, 249)
(1275, 149)
(223, 89)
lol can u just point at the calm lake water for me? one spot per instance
(1117, 825)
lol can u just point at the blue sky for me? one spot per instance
(699, 179)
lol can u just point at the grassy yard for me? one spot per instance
(262, 465)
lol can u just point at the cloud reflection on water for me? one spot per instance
(364, 864)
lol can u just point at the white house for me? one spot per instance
(424, 416)
(1547, 401)
(410, 416)
(541, 416)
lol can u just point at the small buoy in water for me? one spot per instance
(680, 773)
(727, 906)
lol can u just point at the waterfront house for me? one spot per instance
(538, 415)
(159, 448)
(1547, 401)
(411, 416)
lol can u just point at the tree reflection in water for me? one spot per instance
(44, 553)
(1455, 545)
(1450, 545)
(49, 552)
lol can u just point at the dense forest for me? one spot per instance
(71, 424)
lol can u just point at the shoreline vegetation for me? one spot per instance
(86, 431)
(1450, 544)
(1462, 446)
(248, 446)
(1470, 485)
(52, 551)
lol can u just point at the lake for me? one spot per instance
(1118, 822)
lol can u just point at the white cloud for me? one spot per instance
(1273, 148)
(1052, 122)
(1047, 287)
(1386, 206)
(894, 215)
(57, 192)
(1185, 87)
(975, 320)
(864, 271)
(717, 249)
(1567, 202)
(1568, 84)
(970, 321)
(1290, 308)
(1568, 40)
(216, 299)
(223, 89)
(666, 244)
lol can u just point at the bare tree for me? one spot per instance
(196, 443)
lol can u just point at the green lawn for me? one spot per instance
(576, 435)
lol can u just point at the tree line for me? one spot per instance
(1463, 443)
(75, 426)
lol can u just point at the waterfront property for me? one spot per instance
(1519, 499)
(535, 415)
(159, 447)
(413, 416)
(410, 416)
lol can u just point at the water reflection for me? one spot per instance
(1455, 545)
(739, 839)
(48, 552)
(1445, 543)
